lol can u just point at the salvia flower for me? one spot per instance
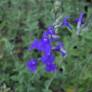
(51, 30)
(66, 23)
(32, 65)
(79, 23)
(48, 58)
(50, 41)
(77, 20)
(34, 45)
(44, 45)
(50, 34)
(60, 48)
(50, 67)
(63, 52)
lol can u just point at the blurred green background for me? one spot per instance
(23, 20)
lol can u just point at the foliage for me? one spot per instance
(24, 20)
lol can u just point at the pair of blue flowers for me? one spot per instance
(46, 47)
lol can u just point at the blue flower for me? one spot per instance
(60, 48)
(63, 52)
(46, 46)
(49, 33)
(32, 65)
(42, 45)
(66, 23)
(34, 45)
(51, 30)
(52, 38)
(76, 20)
(45, 34)
(50, 67)
(48, 59)
(79, 22)
(59, 45)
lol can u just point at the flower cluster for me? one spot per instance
(46, 47)
(48, 43)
